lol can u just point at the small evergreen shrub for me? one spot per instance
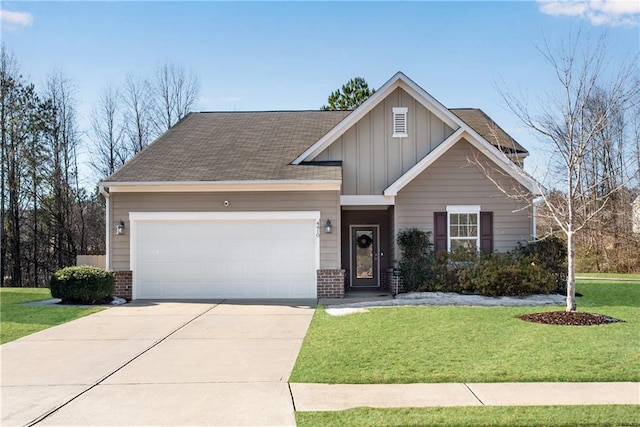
(499, 274)
(82, 284)
(446, 268)
(417, 254)
(537, 268)
(550, 254)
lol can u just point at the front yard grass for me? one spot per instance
(507, 416)
(632, 276)
(18, 320)
(475, 344)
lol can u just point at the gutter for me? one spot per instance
(107, 221)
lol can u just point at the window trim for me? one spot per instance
(463, 209)
(400, 112)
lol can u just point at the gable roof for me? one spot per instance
(398, 80)
(488, 129)
(461, 129)
(271, 147)
(234, 146)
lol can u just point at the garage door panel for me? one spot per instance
(225, 259)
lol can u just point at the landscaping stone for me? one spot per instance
(450, 298)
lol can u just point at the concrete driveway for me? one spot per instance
(159, 363)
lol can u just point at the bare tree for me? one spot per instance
(62, 167)
(138, 104)
(18, 100)
(108, 150)
(174, 94)
(572, 119)
(8, 74)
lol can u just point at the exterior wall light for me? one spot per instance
(328, 227)
(120, 228)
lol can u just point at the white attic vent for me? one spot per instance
(400, 122)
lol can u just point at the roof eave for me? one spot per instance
(221, 186)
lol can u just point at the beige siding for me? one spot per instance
(327, 202)
(452, 180)
(99, 261)
(372, 158)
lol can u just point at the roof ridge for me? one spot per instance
(270, 111)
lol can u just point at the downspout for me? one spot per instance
(534, 232)
(107, 222)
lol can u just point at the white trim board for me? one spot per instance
(495, 155)
(367, 200)
(399, 80)
(222, 216)
(222, 186)
(423, 164)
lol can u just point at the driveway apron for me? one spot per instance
(159, 363)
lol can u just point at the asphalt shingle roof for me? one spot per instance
(235, 146)
(488, 129)
(255, 146)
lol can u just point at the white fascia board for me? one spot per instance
(222, 216)
(349, 121)
(222, 186)
(501, 159)
(464, 208)
(398, 80)
(430, 103)
(423, 164)
(367, 200)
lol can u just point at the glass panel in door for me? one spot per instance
(364, 256)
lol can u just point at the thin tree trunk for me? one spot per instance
(571, 273)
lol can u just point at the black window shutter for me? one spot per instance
(486, 232)
(440, 231)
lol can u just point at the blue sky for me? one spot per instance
(291, 55)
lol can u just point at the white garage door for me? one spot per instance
(224, 255)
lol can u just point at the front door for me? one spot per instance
(364, 256)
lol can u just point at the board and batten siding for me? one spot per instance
(453, 180)
(326, 202)
(371, 158)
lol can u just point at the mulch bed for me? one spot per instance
(568, 318)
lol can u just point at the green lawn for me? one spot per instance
(18, 320)
(507, 416)
(475, 344)
(610, 275)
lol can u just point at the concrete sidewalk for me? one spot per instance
(335, 397)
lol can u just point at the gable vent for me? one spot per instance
(400, 122)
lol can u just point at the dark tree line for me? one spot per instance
(45, 212)
(48, 217)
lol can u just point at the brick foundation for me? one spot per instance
(331, 283)
(124, 284)
(394, 284)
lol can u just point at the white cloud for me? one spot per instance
(16, 18)
(597, 12)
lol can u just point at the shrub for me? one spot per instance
(82, 284)
(499, 274)
(550, 254)
(417, 251)
(445, 269)
(539, 267)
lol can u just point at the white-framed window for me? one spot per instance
(400, 122)
(463, 224)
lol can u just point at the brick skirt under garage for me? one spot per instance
(330, 283)
(124, 284)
